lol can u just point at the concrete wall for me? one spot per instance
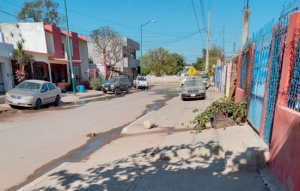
(33, 33)
(83, 49)
(164, 80)
(284, 150)
(94, 54)
(131, 43)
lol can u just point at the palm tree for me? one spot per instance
(22, 60)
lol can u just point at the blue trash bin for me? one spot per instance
(81, 88)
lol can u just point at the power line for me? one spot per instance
(7, 13)
(197, 21)
(202, 12)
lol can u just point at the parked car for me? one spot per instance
(206, 81)
(193, 88)
(190, 77)
(141, 82)
(33, 93)
(117, 84)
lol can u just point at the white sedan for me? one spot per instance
(33, 93)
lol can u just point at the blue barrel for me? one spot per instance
(81, 88)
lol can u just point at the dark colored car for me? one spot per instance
(193, 89)
(117, 84)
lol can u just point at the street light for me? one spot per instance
(70, 50)
(153, 21)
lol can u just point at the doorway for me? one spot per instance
(2, 89)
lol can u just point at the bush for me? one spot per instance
(222, 106)
(96, 83)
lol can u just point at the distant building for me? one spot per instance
(128, 66)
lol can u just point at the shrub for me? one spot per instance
(229, 107)
(96, 83)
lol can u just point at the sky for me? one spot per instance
(177, 21)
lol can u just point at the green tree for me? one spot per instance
(162, 62)
(215, 53)
(180, 63)
(40, 11)
(199, 65)
(145, 70)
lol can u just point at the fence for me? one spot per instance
(262, 47)
(276, 78)
(294, 89)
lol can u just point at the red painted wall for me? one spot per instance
(263, 119)
(58, 51)
(284, 151)
(239, 71)
(239, 95)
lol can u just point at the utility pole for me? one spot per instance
(246, 22)
(70, 50)
(207, 45)
(234, 46)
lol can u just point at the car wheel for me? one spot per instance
(104, 91)
(56, 102)
(128, 90)
(116, 91)
(38, 104)
(183, 99)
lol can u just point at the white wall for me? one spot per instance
(94, 54)
(83, 50)
(50, 43)
(32, 33)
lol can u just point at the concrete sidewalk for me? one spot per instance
(169, 157)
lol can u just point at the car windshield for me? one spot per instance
(141, 79)
(193, 83)
(111, 80)
(205, 77)
(29, 86)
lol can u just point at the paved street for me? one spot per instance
(168, 157)
(32, 140)
(49, 149)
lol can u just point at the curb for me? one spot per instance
(89, 96)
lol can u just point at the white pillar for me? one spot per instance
(49, 70)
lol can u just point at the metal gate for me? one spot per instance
(262, 47)
(294, 89)
(279, 47)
